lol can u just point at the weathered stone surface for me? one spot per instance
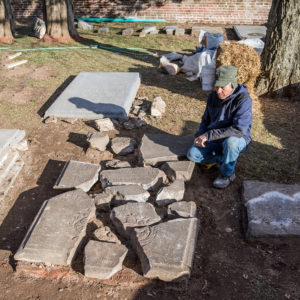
(148, 178)
(125, 193)
(104, 124)
(10, 138)
(39, 28)
(171, 69)
(77, 174)
(182, 170)
(254, 188)
(58, 229)
(166, 250)
(179, 31)
(149, 29)
(172, 193)
(129, 125)
(183, 209)
(98, 140)
(103, 200)
(127, 31)
(117, 164)
(158, 107)
(103, 260)
(84, 25)
(274, 214)
(123, 145)
(170, 31)
(130, 215)
(164, 147)
(104, 234)
(154, 32)
(250, 32)
(103, 30)
(94, 95)
(142, 34)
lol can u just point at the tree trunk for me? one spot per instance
(281, 55)
(6, 22)
(60, 20)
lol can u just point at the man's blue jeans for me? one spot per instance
(224, 152)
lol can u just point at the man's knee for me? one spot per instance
(194, 154)
(233, 143)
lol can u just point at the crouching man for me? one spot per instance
(225, 129)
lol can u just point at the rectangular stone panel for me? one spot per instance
(58, 229)
(92, 95)
(9, 138)
(250, 32)
(166, 250)
(164, 147)
(77, 174)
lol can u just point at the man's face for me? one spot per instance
(224, 91)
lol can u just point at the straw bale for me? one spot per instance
(244, 58)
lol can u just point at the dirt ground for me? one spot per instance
(226, 265)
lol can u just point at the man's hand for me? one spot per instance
(200, 141)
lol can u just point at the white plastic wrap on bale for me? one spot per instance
(256, 43)
(208, 77)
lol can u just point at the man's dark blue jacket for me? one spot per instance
(228, 117)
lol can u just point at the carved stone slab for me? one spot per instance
(58, 229)
(166, 250)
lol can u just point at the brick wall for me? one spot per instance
(191, 11)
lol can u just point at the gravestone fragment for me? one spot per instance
(104, 124)
(158, 107)
(171, 193)
(157, 148)
(104, 234)
(102, 260)
(103, 200)
(77, 174)
(148, 178)
(181, 170)
(127, 31)
(123, 145)
(10, 138)
(273, 210)
(117, 164)
(103, 30)
(130, 215)
(149, 29)
(166, 250)
(183, 209)
(250, 32)
(58, 229)
(128, 193)
(98, 140)
(84, 25)
(94, 95)
(39, 28)
(179, 31)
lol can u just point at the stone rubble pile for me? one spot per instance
(164, 242)
(11, 142)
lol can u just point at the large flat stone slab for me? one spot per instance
(92, 95)
(77, 174)
(58, 229)
(102, 259)
(148, 178)
(131, 215)
(272, 209)
(166, 250)
(250, 32)
(128, 193)
(164, 147)
(182, 170)
(9, 138)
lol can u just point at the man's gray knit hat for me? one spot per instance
(226, 75)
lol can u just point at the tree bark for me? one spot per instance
(60, 20)
(7, 25)
(281, 56)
